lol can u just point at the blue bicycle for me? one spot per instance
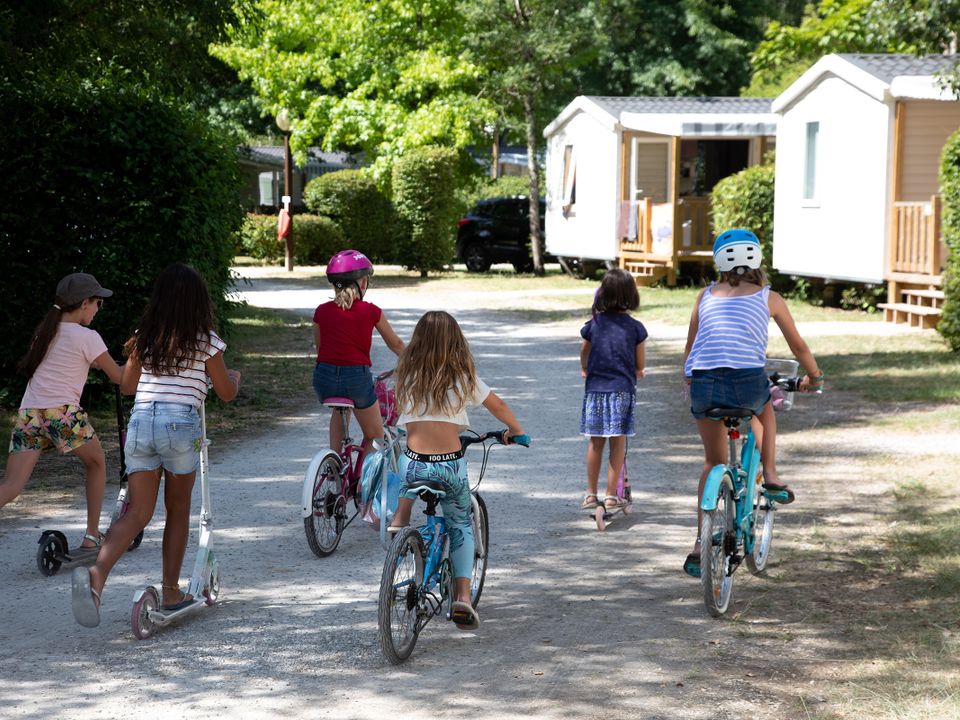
(417, 580)
(738, 513)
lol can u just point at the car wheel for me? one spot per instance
(475, 257)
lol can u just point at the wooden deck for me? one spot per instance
(692, 241)
(917, 252)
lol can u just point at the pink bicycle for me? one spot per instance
(332, 481)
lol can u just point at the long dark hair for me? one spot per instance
(43, 335)
(177, 319)
(617, 292)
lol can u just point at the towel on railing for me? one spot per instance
(627, 221)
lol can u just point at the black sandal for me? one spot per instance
(782, 493)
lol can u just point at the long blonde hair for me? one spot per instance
(436, 361)
(345, 296)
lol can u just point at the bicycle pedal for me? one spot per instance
(779, 496)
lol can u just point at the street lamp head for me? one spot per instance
(283, 120)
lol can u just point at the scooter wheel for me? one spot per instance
(50, 547)
(143, 627)
(212, 589)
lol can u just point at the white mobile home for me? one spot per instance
(628, 178)
(858, 150)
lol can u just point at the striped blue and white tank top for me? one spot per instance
(731, 332)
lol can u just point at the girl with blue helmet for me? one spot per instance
(725, 357)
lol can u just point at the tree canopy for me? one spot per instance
(374, 77)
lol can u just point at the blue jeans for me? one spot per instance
(349, 381)
(456, 505)
(730, 388)
(163, 435)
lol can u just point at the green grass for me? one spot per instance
(911, 367)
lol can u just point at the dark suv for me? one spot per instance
(497, 230)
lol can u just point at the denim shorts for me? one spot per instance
(163, 435)
(729, 388)
(349, 381)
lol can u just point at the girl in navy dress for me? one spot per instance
(612, 357)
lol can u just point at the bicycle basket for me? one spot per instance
(781, 399)
(387, 400)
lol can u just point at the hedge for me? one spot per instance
(364, 214)
(115, 181)
(745, 200)
(315, 238)
(949, 326)
(424, 182)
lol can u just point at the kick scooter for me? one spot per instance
(604, 515)
(147, 615)
(54, 552)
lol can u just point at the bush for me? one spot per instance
(365, 215)
(949, 326)
(745, 200)
(424, 182)
(114, 181)
(315, 239)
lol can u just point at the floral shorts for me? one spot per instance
(66, 428)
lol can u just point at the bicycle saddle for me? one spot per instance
(338, 402)
(428, 485)
(719, 413)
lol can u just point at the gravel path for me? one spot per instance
(576, 624)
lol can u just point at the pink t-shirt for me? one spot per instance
(61, 375)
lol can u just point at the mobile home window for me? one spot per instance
(569, 179)
(810, 162)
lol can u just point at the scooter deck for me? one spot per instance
(604, 516)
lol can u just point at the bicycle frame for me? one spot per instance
(437, 542)
(740, 480)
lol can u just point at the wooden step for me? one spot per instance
(915, 315)
(923, 297)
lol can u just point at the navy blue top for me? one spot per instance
(612, 362)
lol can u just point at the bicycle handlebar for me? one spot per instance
(791, 384)
(466, 440)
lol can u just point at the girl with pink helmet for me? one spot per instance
(343, 331)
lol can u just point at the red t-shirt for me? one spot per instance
(345, 335)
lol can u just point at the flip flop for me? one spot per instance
(691, 566)
(464, 616)
(85, 600)
(780, 493)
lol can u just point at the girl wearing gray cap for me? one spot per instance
(61, 354)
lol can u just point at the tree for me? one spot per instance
(380, 78)
(529, 50)
(850, 26)
(691, 47)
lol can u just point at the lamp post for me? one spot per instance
(285, 225)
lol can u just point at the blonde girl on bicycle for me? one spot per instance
(61, 354)
(612, 359)
(343, 331)
(436, 382)
(725, 357)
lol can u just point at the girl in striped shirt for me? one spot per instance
(172, 354)
(725, 357)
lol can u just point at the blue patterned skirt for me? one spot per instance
(607, 414)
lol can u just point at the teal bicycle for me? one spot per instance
(417, 580)
(738, 512)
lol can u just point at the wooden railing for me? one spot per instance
(696, 211)
(644, 241)
(916, 246)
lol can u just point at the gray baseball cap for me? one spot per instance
(77, 287)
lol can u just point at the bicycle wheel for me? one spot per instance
(324, 525)
(763, 519)
(716, 533)
(398, 609)
(481, 538)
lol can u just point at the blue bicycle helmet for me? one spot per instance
(737, 248)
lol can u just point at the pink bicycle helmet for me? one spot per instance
(348, 266)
